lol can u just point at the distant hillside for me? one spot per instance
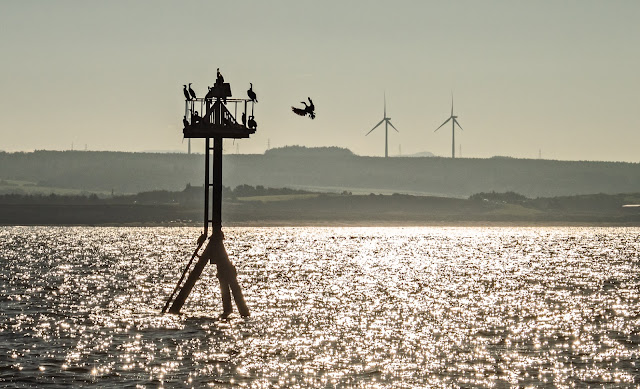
(103, 171)
(302, 151)
(324, 169)
(439, 176)
(420, 155)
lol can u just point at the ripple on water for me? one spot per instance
(401, 307)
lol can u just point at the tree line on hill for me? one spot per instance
(244, 204)
(190, 196)
(194, 195)
(323, 169)
(593, 203)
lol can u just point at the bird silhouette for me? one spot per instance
(244, 119)
(191, 92)
(219, 78)
(195, 118)
(307, 110)
(185, 122)
(210, 93)
(252, 94)
(252, 123)
(186, 93)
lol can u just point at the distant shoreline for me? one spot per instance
(271, 207)
(390, 224)
(152, 216)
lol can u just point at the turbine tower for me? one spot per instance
(387, 123)
(454, 121)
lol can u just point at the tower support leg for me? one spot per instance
(215, 252)
(227, 275)
(188, 285)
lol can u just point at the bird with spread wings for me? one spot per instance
(307, 110)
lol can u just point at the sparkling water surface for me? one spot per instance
(330, 307)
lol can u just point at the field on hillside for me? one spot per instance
(32, 188)
(316, 170)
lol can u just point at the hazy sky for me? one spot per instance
(562, 77)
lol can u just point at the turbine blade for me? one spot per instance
(394, 127)
(446, 121)
(451, 103)
(456, 121)
(376, 126)
(385, 104)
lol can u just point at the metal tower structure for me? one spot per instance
(216, 124)
(454, 122)
(387, 123)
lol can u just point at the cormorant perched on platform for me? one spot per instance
(191, 92)
(185, 122)
(252, 94)
(209, 94)
(219, 78)
(244, 119)
(186, 93)
(252, 123)
(195, 118)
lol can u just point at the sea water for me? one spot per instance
(330, 307)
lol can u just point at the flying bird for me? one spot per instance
(307, 110)
(252, 94)
(186, 93)
(191, 92)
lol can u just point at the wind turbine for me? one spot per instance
(454, 121)
(387, 123)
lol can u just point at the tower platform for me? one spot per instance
(209, 130)
(217, 121)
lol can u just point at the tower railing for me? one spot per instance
(200, 112)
